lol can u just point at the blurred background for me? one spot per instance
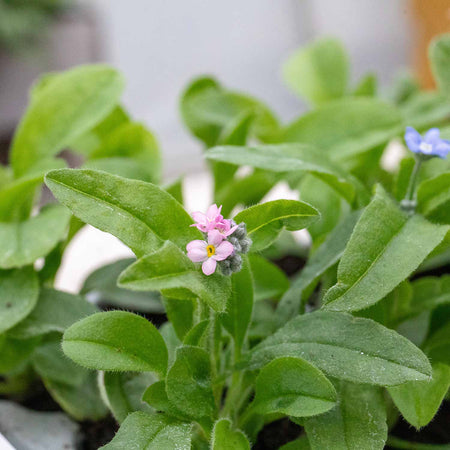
(160, 46)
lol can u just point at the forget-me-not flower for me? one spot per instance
(430, 145)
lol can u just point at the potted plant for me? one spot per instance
(248, 358)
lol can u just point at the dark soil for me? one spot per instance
(96, 434)
(276, 434)
(290, 264)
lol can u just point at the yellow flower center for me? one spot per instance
(210, 250)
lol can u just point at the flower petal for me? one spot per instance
(213, 212)
(215, 237)
(413, 139)
(231, 230)
(196, 251)
(442, 149)
(209, 266)
(199, 217)
(223, 251)
(432, 136)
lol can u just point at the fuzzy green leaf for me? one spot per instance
(142, 431)
(122, 392)
(130, 146)
(140, 214)
(22, 243)
(188, 383)
(55, 311)
(289, 158)
(419, 401)
(318, 72)
(101, 285)
(346, 128)
(269, 281)
(171, 271)
(345, 347)
(65, 108)
(19, 291)
(358, 421)
(437, 346)
(81, 402)
(267, 220)
(116, 340)
(293, 387)
(326, 256)
(433, 198)
(225, 438)
(385, 248)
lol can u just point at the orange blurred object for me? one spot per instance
(431, 17)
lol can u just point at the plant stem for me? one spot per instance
(413, 180)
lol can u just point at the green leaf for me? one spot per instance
(180, 314)
(429, 293)
(237, 317)
(225, 438)
(326, 256)
(122, 392)
(67, 107)
(17, 197)
(55, 311)
(346, 128)
(14, 353)
(367, 86)
(175, 189)
(439, 53)
(82, 402)
(188, 383)
(358, 422)
(386, 246)
(135, 212)
(130, 143)
(22, 243)
(208, 109)
(319, 71)
(93, 139)
(50, 363)
(437, 346)
(101, 286)
(326, 200)
(142, 431)
(266, 221)
(293, 387)
(425, 109)
(170, 270)
(246, 191)
(366, 352)
(288, 158)
(19, 291)
(301, 443)
(116, 340)
(419, 401)
(433, 198)
(269, 282)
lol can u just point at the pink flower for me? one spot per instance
(216, 249)
(225, 227)
(209, 221)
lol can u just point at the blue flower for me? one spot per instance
(430, 145)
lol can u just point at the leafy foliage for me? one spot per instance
(360, 321)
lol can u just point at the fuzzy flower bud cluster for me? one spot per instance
(225, 242)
